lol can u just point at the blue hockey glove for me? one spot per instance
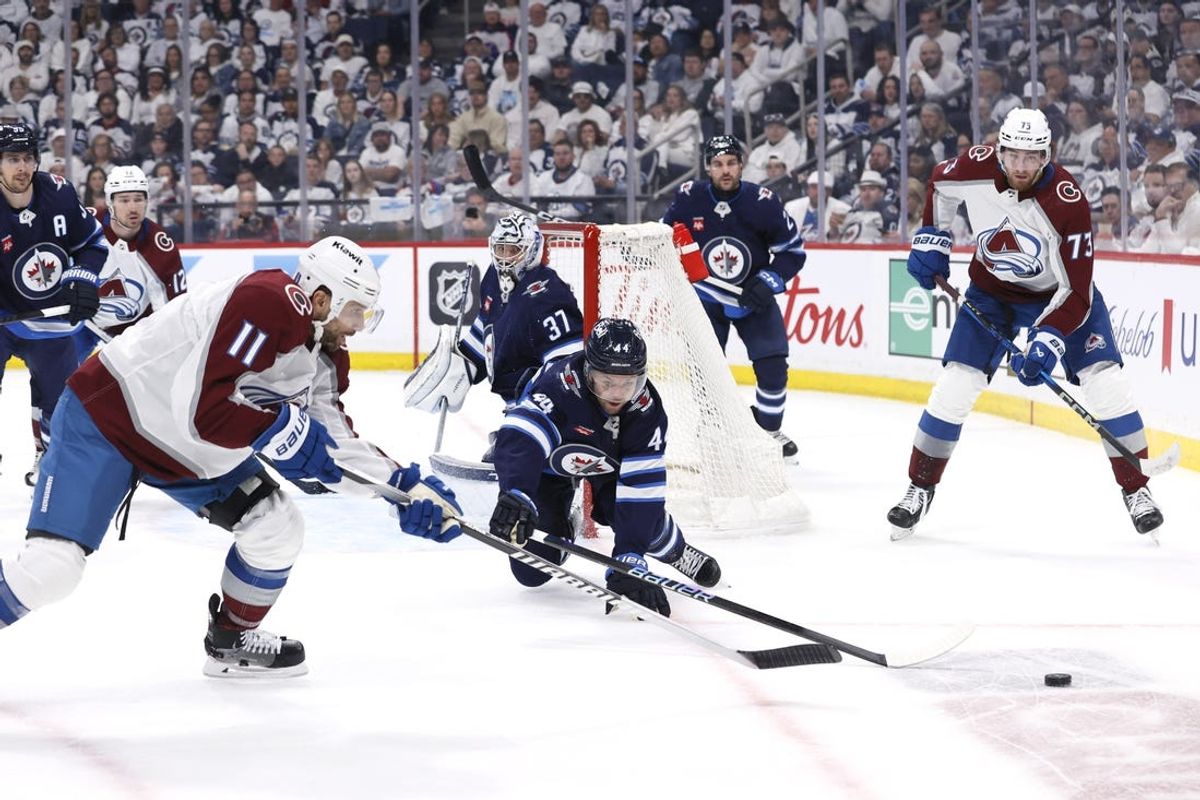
(930, 255)
(758, 293)
(1045, 348)
(83, 298)
(433, 510)
(514, 517)
(298, 446)
(646, 594)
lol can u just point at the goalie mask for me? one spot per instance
(340, 267)
(615, 362)
(516, 246)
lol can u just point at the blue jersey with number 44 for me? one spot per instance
(510, 341)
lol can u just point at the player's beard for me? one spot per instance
(11, 185)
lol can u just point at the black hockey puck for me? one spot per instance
(1058, 679)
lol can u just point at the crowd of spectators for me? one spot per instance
(131, 99)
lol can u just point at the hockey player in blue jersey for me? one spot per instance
(528, 317)
(594, 416)
(745, 238)
(51, 253)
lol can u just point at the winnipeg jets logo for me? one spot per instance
(581, 460)
(38, 271)
(1007, 248)
(727, 258)
(536, 288)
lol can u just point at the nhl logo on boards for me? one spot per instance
(453, 285)
(453, 291)
(38, 271)
(580, 460)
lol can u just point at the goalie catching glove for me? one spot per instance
(445, 374)
(432, 511)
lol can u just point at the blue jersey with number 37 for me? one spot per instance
(559, 428)
(509, 342)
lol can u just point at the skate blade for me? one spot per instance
(899, 533)
(1154, 537)
(219, 669)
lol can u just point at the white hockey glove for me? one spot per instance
(445, 374)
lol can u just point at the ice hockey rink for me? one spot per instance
(434, 675)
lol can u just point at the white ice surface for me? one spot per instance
(433, 675)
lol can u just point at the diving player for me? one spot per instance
(528, 317)
(594, 416)
(745, 238)
(184, 401)
(51, 251)
(1032, 267)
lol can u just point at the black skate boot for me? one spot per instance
(1143, 510)
(249, 654)
(697, 565)
(790, 450)
(489, 455)
(905, 515)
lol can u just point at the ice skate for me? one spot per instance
(790, 450)
(905, 515)
(31, 477)
(1143, 511)
(249, 654)
(697, 565)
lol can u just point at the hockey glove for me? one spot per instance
(758, 293)
(930, 255)
(83, 298)
(640, 592)
(1045, 348)
(514, 518)
(298, 446)
(433, 510)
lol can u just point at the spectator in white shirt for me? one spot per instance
(584, 98)
(930, 20)
(940, 77)
(886, 64)
(383, 160)
(551, 39)
(565, 181)
(274, 22)
(343, 57)
(780, 143)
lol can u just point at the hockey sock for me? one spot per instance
(1129, 432)
(248, 592)
(925, 470)
(1110, 394)
(769, 400)
(11, 608)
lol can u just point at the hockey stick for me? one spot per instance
(790, 656)
(41, 313)
(443, 404)
(484, 184)
(903, 658)
(1147, 466)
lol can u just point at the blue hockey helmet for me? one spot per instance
(615, 360)
(17, 137)
(721, 145)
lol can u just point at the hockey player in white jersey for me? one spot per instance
(1032, 267)
(185, 401)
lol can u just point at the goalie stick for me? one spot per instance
(1147, 466)
(443, 405)
(484, 184)
(775, 658)
(904, 657)
(41, 313)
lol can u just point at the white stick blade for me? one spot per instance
(943, 644)
(1164, 463)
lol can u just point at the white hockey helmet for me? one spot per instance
(340, 266)
(516, 245)
(125, 179)
(1025, 129)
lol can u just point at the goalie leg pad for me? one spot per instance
(1110, 395)
(47, 569)
(443, 375)
(268, 540)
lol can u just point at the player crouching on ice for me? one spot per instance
(594, 416)
(185, 400)
(528, 317)
(1032, 267)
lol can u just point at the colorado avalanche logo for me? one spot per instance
(727, 258)
(1007, 248)
(121, 298)
(38, 271)
(580, 460)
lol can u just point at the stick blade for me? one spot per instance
(475, 166)
(951, 639)
(1164, 463)
(797, 655)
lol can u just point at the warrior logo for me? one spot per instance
(38, 271)
(727, 258)
(580, 460)
(1007, 248)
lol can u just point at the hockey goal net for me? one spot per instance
(723, 471)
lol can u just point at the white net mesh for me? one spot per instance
(723, 472)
